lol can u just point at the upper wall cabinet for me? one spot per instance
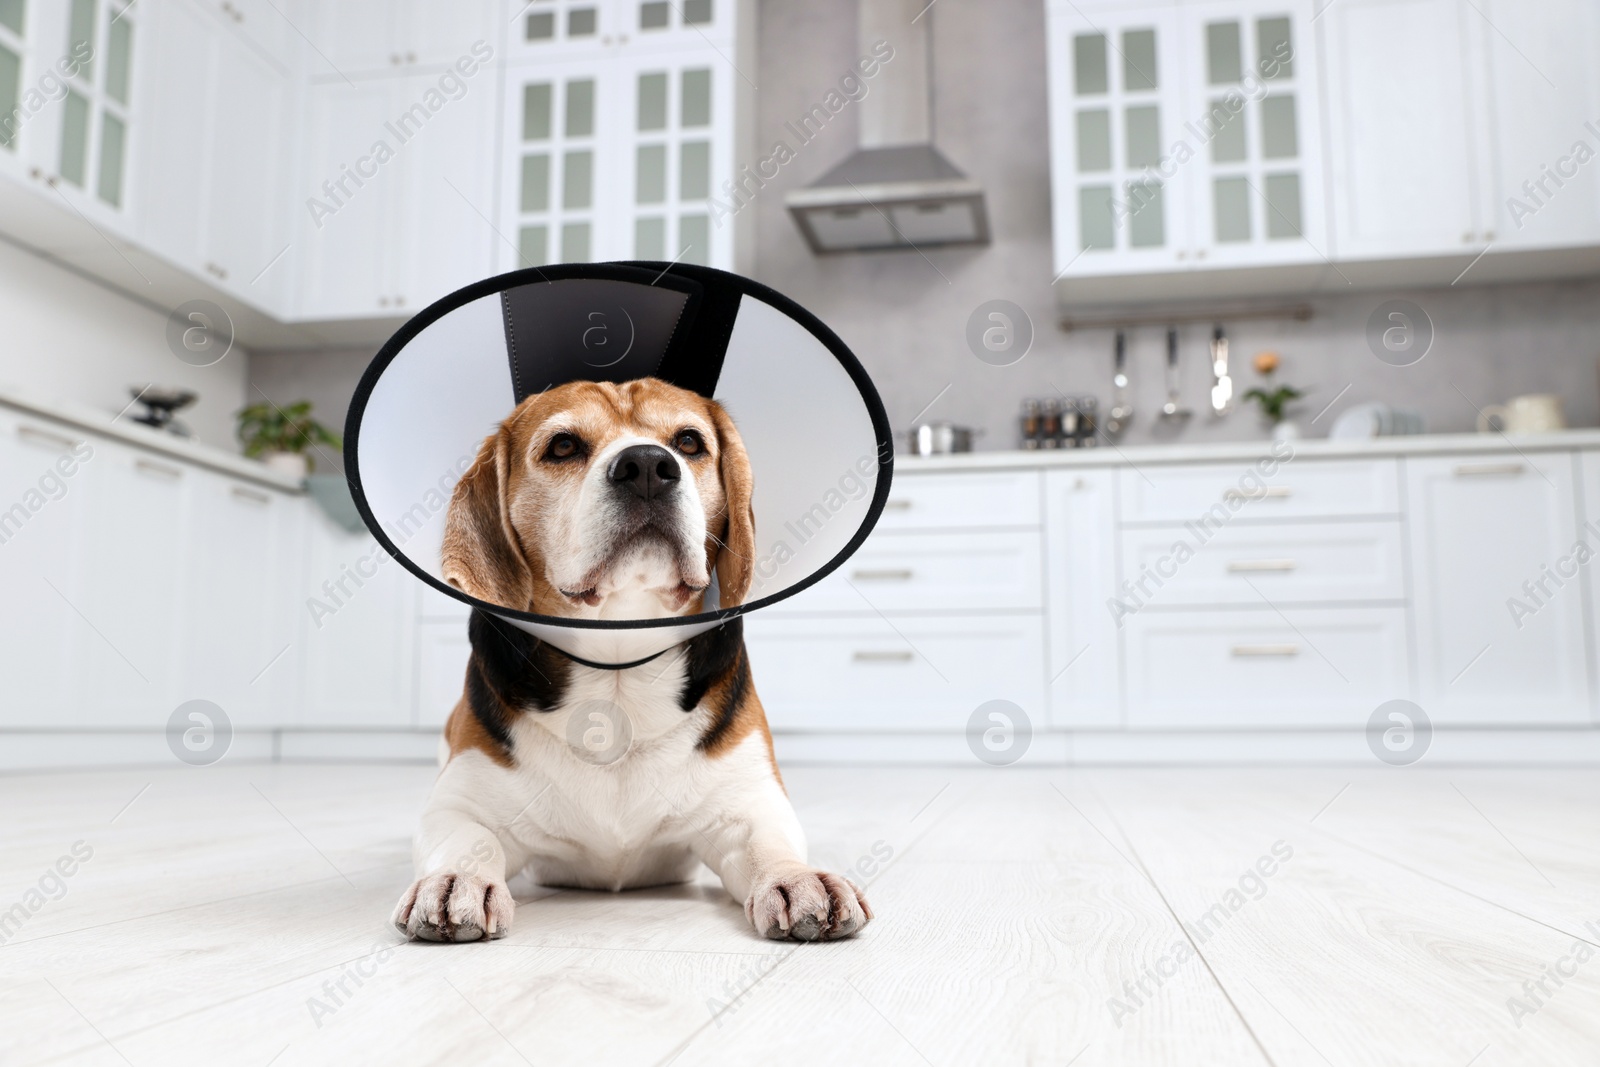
(1184, 136)
(212, 180)
(351, 38)
(546, 28)
(1192, 136)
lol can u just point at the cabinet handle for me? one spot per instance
(1241, 566)
(1271, 490)
(152, 467)
(255, 496)
(1266, 650)
(45, 435)
(1471, 470)
(890, 574)
(866, 656)
(897, 505)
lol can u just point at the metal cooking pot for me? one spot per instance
(940, 438)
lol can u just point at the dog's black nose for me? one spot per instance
(646, 471)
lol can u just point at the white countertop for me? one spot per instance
(125, 430)
(1248, 451)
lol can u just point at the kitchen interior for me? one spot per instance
(1241, 357)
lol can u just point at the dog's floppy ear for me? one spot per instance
(736, 556)
(481, 553)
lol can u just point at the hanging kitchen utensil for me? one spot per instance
(1121, 412)
(1221, 382)
(816, 433)
(1171, 411)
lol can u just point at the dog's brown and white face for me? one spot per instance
(604, 500)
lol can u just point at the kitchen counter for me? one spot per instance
(124, 429)
(1249, 451)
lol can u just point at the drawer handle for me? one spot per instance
(866, 656)
(889, 574)
(1243, 566)
(1266, 650)
(45, 435)
(1471, 470)
(255, 496)
(1271, 490)
(897, 505)
(151, 467)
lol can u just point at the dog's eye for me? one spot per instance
(563, 446)
(689, 443)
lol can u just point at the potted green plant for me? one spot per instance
(1275, 402)
(281, 436)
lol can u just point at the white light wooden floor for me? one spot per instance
(1018, 903)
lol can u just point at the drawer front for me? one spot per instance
(919, 674)
(975, 501)
(993, 571)
(1328, 667)
(1239, 492)
(1255, 565)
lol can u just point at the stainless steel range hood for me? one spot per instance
(897, 190)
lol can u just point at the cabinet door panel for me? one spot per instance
(1081, 573)
(251, 199)
(176, 120)
(1398, 112)
(356, 625)
(42, 546)
(446, 240)
(344, 247)
(1543, 96)
(1492, 645)
(241, 619)
(352, 36)
(442, 654)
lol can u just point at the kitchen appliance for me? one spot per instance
(1121, 412)
(820, 447)
(1221, 382)
(1171, 411)
(1533, 413)
(160, 403)
(941, 438)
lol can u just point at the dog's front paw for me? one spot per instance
(807, 906)
(454, 907)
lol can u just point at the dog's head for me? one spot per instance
(601, 500)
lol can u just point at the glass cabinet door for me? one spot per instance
(1115, 89)
(1256, 192)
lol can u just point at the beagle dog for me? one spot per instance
(610, 501)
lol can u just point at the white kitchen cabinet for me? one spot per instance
(356, 37)
(1261, 667)
(1212, 494)
(914, 673)
(1084, 652)
(268, 26)
(357, 632)
(1483, 529)
(136, 586)
(43, 549)
(1542, 98)
(1402, 129)
(1185, 136)
(241, 615)
(961, 500)
(398, 194)
(212, 182)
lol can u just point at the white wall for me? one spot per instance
(63, 337)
